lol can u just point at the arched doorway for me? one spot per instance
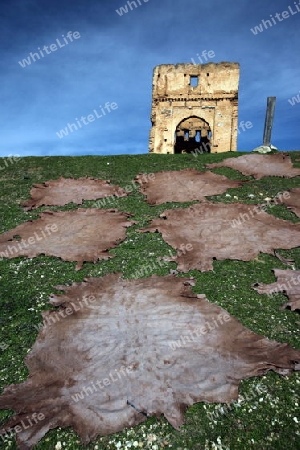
(192, 135)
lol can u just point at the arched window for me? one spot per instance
(192, 134)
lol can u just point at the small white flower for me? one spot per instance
(58, 446)
(295, 419)
(227, 195)
(151, 438)
(118, 444)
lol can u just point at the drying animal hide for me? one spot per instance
(288, 281)
(293, 202)
(81, 235)
(66, 190)
(208, 231)
(184, 186)
(259, 166)
(118, 351)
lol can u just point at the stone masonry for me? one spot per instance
(195, 108)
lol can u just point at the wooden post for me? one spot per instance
(269, 120)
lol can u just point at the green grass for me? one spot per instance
(256, 421)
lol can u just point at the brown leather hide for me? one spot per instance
(293, 202)
(222, 231)
(116, 351)
(184, 186)
(288, 281)
(279, 165)
(66, 190)
(81, 235)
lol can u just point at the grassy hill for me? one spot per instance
(267, 418)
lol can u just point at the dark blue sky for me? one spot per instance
(113, 61)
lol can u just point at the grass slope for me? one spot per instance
(264, 418)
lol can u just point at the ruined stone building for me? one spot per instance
(195, 108)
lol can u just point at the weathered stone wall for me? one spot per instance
(211, 96)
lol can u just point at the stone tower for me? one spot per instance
(195, 108)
